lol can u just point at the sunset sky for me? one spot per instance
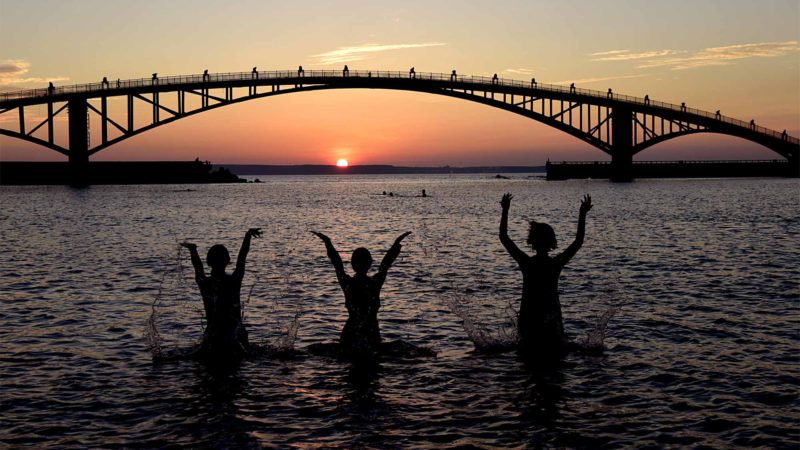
(741, 57)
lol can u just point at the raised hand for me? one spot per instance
(321, 236)
(254, 232)
(506, 201)
(586, 204)
(188, 245)
(401, 237)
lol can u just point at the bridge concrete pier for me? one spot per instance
(622, 145)
(78, 142)
(794, 165)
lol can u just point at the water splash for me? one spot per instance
(152, 337)
(282, 278)
(285, 341)
(609, 292)
(484, 338)
(594, 341)
(175, 313)
(435, 248)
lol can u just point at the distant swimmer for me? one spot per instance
(541, 328)
(361, 334)
(225, 335)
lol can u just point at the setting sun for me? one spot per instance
(341, 163)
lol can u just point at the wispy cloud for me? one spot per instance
(712, 56)
(596, 80)
(520, 71)
(12, 71)
(625, 55)
(720, 56)
(609, 52)
(361, 52)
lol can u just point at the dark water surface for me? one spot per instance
(703, 351)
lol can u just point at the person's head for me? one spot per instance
(541, 237)
(218, 257)
(361, 260)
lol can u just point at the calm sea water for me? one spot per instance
(702, 351)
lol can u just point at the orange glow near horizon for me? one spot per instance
(342, 163)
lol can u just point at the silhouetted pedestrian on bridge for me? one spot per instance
(361, 334)
(785, 135)
(118, 82)
(572, 88)
(301, 72)
(646, 99)
(50, 88)
(155, 78)
(453, 75)
(540, 326)
(205, 75)
(718, 115)
(610, 93)
(105, 82)
(346, 71)
(494, 79)
(225, 335)
(752, 124)
(533, 83)
(254, 73)
(683, 106)
(412, 73)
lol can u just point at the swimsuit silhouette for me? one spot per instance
(540, 326)
(361, 334)
(225, 334)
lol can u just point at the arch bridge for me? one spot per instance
(618, 125)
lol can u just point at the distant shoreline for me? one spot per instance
(319, 169)
(197, 172)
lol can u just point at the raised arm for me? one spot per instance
(392, 254)
(199, 272)
(242, 258)
(566, 255)
(512, 249)
(334, 256)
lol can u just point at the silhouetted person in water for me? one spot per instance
(225, 335)
(541, 329)
(362, 296)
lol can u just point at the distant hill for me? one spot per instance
(310, 169)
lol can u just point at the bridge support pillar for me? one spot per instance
(794, 165)
(78, 142)
(622, 144)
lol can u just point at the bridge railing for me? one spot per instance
(201, 79)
